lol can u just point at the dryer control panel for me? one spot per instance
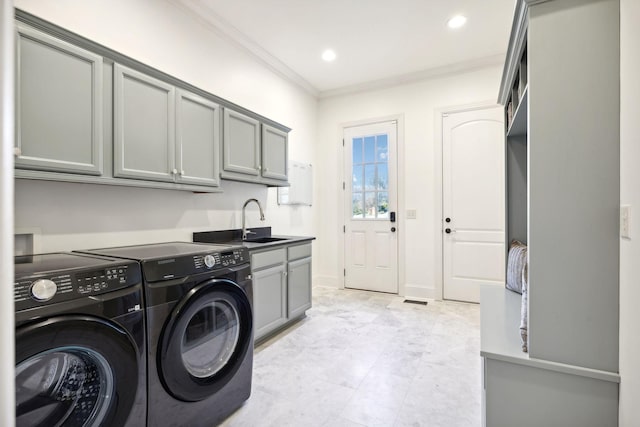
(68, 285)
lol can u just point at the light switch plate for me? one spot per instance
(625, 221)
(411, 214)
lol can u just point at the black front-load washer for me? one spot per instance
(199, 330)
(80, 344)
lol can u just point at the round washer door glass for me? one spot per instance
(210, 338)
(68, 386)
(75, 371)
(205, 340)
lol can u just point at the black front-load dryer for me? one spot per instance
(199, 330)
(80, 344)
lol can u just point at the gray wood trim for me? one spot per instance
(184, 175)
(106, 180)
(119, 138)
(514, 50)
(24, 161)
(115, 56)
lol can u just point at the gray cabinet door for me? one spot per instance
(144, 120)
(241, 144)
(269, 300)
(197, 140)
(59, 105)
(274, 153)
(299, 287)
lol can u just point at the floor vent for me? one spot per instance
(410, 301)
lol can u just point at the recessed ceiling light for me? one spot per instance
(457, 21)
(328, 55)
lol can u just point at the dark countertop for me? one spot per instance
(235, 237)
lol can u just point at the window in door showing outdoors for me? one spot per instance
(370, 177)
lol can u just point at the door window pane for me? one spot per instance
(370, 204)
(383, 177)
(382, 148)
(370, 177)
(369, 149)
(357, 205)
(357, 151)
(383, 204)
(357, 178)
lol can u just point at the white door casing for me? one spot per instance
(473, 202)
(370, 190)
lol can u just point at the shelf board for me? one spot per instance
(500, 335)
(519, 122)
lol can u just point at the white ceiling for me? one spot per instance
(378, 42)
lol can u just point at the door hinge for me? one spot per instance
(344, 272)
(344, 228)
(344, 185)
(343, 142)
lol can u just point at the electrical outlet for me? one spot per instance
(411, 214)
(625, 221)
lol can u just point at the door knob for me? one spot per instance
(447, 230)
(393, 229)
(448, 220)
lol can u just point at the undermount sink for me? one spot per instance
(265, 240)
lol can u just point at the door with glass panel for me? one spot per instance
(371, 242)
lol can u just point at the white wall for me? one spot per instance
(417, 103)
(630, 195)
(7, 345)
(165, 36)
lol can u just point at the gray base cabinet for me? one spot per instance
(281, 287)
(562, 126)
(59, 105)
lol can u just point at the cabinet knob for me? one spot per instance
(266, 170)
(259, 167)
(17, 151)
(174, 171)
(181, 172)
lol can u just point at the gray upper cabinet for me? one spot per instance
(274, 153)
(59, 105)
(198, 139)
(253, 151)
(144, 120)
(85, 113)
(241, 146)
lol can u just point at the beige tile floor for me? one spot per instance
(369, 359)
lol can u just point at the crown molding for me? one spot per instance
(223, 28)
(430, 73)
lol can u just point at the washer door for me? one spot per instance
(74, 371)
(205, 340)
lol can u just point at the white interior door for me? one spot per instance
(473, 202)
(371, 243)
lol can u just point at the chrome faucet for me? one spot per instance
(245, 232)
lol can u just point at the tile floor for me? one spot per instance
(369, 359)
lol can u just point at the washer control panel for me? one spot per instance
(221, 259)
(66, 286)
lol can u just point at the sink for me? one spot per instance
(265, 240)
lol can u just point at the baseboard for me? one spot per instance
(327, 281)
(420, 293)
